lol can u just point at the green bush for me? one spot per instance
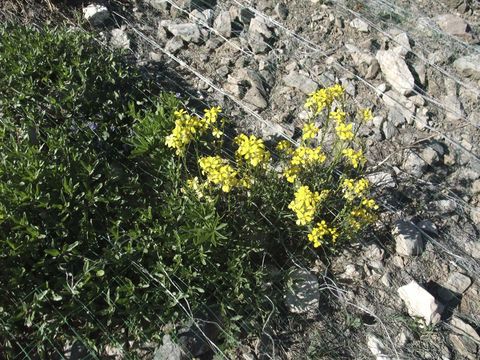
(97, 242)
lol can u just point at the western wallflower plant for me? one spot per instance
(328, 196)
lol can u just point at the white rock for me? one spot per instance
(402, 44)
(454, 108)
(96, 14)
(473, 248)
(376, 347)
(469, 66)
(302, 294)
(456, 285)
(414, 164)
(223, 24)
(455, 25)
(360, 25)
(120, 39)
(420, 303)
(382, 180)
(396, 71)
(462, 328)
(408, 239)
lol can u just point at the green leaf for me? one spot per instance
(52, 252)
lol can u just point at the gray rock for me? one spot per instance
(465, 339)
(223, 24)
(408, 239)
(248, 85)
(96, 14)
(197, 16)
(445, 205)
(414, 164)
(281, 11)
(389, 130)
(420, 303)
(188, 32)
(428, 227)
(469, 66)
(168, 351)
(382, 180)
(395, 116)
(360, 25)
(365, 62)
(454, 109)
(300, 82)
(161, 5)
(473, 249)
(120, 39)
(455, 26)
(258, 25)
(174, 44)
(456, 284)
(430, 156)
(396, 71)
(302, 294)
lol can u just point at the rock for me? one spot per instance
(188, 32)
(382, 180)
(453, 108)
(259, 26)
(420, 303)
(473, 249)
(469, 66)
(402, 44)
(402, 104)
(428, 227)
(300, 82)
(365, 62)
(414, 164)
(456, 285)
(161, 5)
(395, 116)
(174, 44)
(302, 295)
(396, 71)
(389, 130)
(455, 26)
(223, 24)
(281, 11)
(476, 187)
(374, 256)
(360, 25)
(248, 85)
(168, 351)
(120, 39)
(445, 205)
(408, 239)
(376, 347)
(96, 14)
(465, 340)
(430, 156)
(198, 17)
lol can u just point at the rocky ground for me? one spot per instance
(417, 64)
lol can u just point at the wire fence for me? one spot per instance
(277, 325)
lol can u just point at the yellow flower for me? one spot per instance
(211, 115)
(285, 147)
(354, 189)
(356, 157)
(338, 115)
(323, 98)
(344, 131)
(370, 204)
(305, 156)
(217, 133)
(219, 172)
(309, 131)
(252, 149)
(304, 205)
(195, 186)
(320, 231)
(367, 115)
(291, 173)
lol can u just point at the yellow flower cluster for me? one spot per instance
(309, 131)
(323, 98)
(303, 157)
(363, 214)
(338, 115)
(320, 231)
(367, 115)
(252, 149)
(188, 127)
(344, 131)
(195, 186)
(219, 172)
(354, 189)
(285, 146)
(356, 158)
(305, 204)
